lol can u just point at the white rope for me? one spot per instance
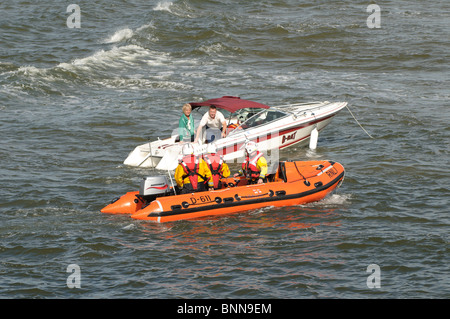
(358, 122)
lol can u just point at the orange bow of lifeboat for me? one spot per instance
(294, 183)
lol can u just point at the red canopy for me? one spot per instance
(230, 103)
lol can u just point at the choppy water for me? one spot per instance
(75, 101)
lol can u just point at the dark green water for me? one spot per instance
(75, 101)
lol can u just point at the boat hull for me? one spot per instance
(295, 183)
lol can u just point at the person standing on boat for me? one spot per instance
(192, 172)
(254, 167)
(216, 165)
(213, 119)
(186, 124)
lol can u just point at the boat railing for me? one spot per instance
(304, 103)
(297, 108)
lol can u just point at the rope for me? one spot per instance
(358, 122)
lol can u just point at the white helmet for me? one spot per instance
(211, 148)
(251, 147)
(187, 149)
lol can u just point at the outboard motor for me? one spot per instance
(154, 186)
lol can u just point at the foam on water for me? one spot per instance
(163, 6)
(333, 200)
(115, 57)
(31, 70)
(120, 36)
(179, 9)
(91, 68)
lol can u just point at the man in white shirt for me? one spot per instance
(213, 119)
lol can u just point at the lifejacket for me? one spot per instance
(215, 163)
(232, 127)
(190, 165)
(249, 166)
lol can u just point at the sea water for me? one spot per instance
(80, 87)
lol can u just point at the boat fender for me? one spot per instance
(185, 204)
(307, 183)
(237, 197)
(228, 199)
(318, 184)
(319, 167)
(175, 207)
(280, 193)
(218, 200)
(271, 193)
(313, 139)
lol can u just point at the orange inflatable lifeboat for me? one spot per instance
(294, 183)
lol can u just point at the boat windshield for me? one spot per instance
(254, 117)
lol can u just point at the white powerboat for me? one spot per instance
(272, 128)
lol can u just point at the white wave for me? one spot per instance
(35, 74)
(120, 35)
(144, 31)
(180, 10)
(213, 49)
(110, 68)
(30, 70)
(127, 84)
(127, 33)
(163, 6)
(116, 57)
(146, 26)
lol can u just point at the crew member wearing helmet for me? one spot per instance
(192, 172)
(216, 165)
(254, 166)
